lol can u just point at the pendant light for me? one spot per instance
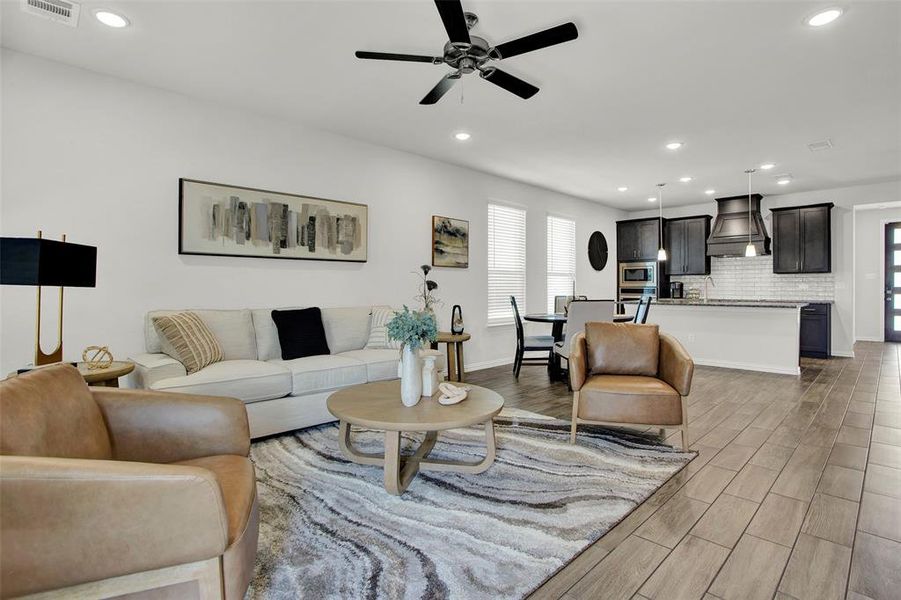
(750, 250)
(661, 252)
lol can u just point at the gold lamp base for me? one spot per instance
(56, 355)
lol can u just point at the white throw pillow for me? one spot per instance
(378, 328)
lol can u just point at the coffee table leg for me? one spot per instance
(352, 453)
(400, 471)
(467, 467)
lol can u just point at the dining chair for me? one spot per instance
(529, 343)
(581, 312)
(644, 307)
(560, 303)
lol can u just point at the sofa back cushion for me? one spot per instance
(51, 412)
(346, 328)
(622, 348)
(233, 329)
(268, 347)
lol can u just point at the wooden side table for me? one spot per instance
(454, 341)
(108, 377)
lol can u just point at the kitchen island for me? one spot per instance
(754, 335)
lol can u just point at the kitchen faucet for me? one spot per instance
(706, 294)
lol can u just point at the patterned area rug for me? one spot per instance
(329, 529)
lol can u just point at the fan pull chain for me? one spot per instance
(462, 84)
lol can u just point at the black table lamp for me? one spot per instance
(38, 262)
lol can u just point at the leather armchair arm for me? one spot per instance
(70, 521)
(578, 362)
(163, 427)
(675, 365)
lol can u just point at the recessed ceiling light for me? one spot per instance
(652, 199)
(784, 180)
(622, 188)
(685, 179)
(824, 17)
(674, 145)
(462, 136)
(710, 192)
(767, 166)
(111, 19)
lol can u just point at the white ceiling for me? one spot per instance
(739, 82)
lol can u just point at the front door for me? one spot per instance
(893, 282)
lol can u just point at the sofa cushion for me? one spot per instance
(320, 373)
(186, 338)
(630, 399)
(346, 328)
(378, 328)
(233, 329)
(266, 332)
(300, 332)
(247, 380)
(380, 364)
(622, 348)
(237, 482)
(50, 412)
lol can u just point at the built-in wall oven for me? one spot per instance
(636, 293)
(638, 275)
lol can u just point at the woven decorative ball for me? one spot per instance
(97, 357)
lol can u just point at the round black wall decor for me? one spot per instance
(597, 251)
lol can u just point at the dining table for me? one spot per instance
(557, 321)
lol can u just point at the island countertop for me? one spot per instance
(741, 302)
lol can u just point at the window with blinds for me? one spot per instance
(561, 258)
(506, 262)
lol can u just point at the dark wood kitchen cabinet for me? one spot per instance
(802, 239)
(686, 245)
(816, 330)
(638, 239)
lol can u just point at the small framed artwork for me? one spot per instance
(450, 242)
(215, 219)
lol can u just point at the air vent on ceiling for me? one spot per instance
(54, 10)
(820, 146)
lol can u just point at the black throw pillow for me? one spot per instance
(300, 332)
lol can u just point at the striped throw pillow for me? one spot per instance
(378, 328)
(189, 340)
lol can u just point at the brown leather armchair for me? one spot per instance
(632, 375)
(108, 492)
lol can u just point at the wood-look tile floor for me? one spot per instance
(795, 493)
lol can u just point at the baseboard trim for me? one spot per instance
(843, 353)
(487, 364)
(749, 367)
(869, 339)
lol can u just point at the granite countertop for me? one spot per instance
(733, 302)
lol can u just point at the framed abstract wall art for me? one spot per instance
(450, 242)
(226, 220)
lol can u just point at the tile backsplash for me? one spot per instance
(753, 279)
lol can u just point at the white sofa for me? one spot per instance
(280, 395)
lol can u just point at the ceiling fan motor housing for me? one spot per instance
(467, 57)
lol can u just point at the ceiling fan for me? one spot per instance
(467, 53)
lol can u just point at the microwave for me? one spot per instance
(637, 274)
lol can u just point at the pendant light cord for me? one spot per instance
(749, 172)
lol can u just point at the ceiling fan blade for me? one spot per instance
(392, 56)
(549, 37)
(443, 87)
(451, 12)
(511, 83)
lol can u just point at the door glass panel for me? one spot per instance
(898, 258)
(897, 320)
(897, 235)
(897, 283)
(897, 302)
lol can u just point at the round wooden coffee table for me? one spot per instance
(378, 406)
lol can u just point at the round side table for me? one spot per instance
(108, 377)
(454, 341)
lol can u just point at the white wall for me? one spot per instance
(99, 158)
(869, 276)
(842, 241)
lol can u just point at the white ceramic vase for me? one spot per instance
(410, 377)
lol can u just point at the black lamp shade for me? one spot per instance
(36, 261)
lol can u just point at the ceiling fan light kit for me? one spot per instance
(467, 53)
